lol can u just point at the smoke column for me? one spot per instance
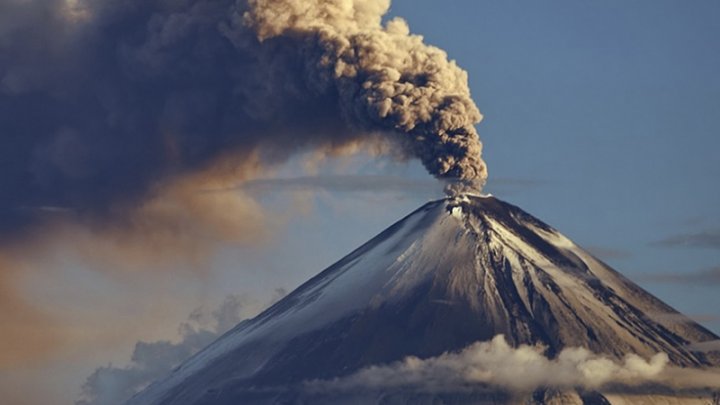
(101, 103)
(384, 78)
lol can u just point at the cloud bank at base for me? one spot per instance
(522, 369)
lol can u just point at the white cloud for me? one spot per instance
(521, 369)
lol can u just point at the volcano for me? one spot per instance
(456, 271)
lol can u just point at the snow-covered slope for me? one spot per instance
(454, 272)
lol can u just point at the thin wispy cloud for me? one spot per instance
(346, 183)
(512, 185)
(367, 183)
(515, 182)
(709, 239)
(709, 276)
(605, 252)
(104, 139)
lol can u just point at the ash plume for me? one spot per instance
(103, 104)
(385, 78)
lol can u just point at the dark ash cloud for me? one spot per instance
(97, 108)
(103, 103)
